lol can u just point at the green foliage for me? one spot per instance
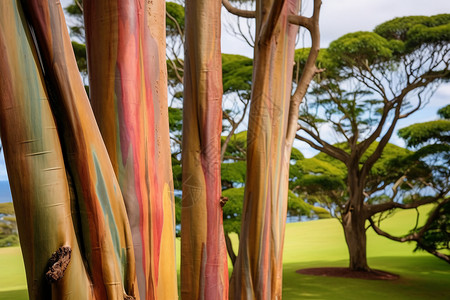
(80, 55)
(296, 154)
(75, 12)
(321, 180)
(237, 74)
(175, 119)
(433, 138)
(316, 183)
(7, 208)
(74, 9)
(177, 174)
(321, 212)
(237, 145)
(234, 172)
(171, 73)
(176, 11)
(416, 30)
(324, 165)
(178, 214)
(390, 163)
(323, 61)
(297, 206)
(9, 240)
(360, 48)
(437, 236)
(420, 133)
(444, 112)
(232, 210)
(175, 126)
(8, 226)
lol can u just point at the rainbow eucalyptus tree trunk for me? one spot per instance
(204, 270)
(100, 223)
(35, 163)
(258, 269)
(128, 88)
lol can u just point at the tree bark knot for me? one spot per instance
(58, 264)
(223, 201)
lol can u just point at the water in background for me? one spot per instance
(5, 192)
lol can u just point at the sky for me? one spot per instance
(337, 18)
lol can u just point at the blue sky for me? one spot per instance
(338, 17)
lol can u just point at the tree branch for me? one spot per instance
(180, 32)
(325, 147)
(309, 71)
(175, 68)
(368, 164)
(408, 238)
(238, 12)
(301, 21)
(377, 208)
(80, 6)
(234, 126)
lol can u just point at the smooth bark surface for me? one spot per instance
(100, 219)
(128, 87)
(258, 269)
(204, 269)
(35, 164)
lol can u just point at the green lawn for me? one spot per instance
(318, 244)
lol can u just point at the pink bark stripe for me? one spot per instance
(104, 225)
(126, 91)
(258, 273)
(204, 270)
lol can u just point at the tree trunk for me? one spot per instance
(35, 164)
(204, 268)
(128, 87)
(355, 236)
(354, 219)
(258, 269)
(99, 217)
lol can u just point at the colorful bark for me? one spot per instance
(258, 270)
(103, 224)
(204, 270)
(35, 164)
(128, 89)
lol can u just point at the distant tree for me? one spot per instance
(373, 80)
(431, 140)
(8, 225)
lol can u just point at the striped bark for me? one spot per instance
(99, 220)
(204, 270)
(128, 89)
(35, 163)
(258, 270)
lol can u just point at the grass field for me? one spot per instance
(318, 244)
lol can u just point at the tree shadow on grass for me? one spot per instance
(421, 277)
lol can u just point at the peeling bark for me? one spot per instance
(58, 264)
